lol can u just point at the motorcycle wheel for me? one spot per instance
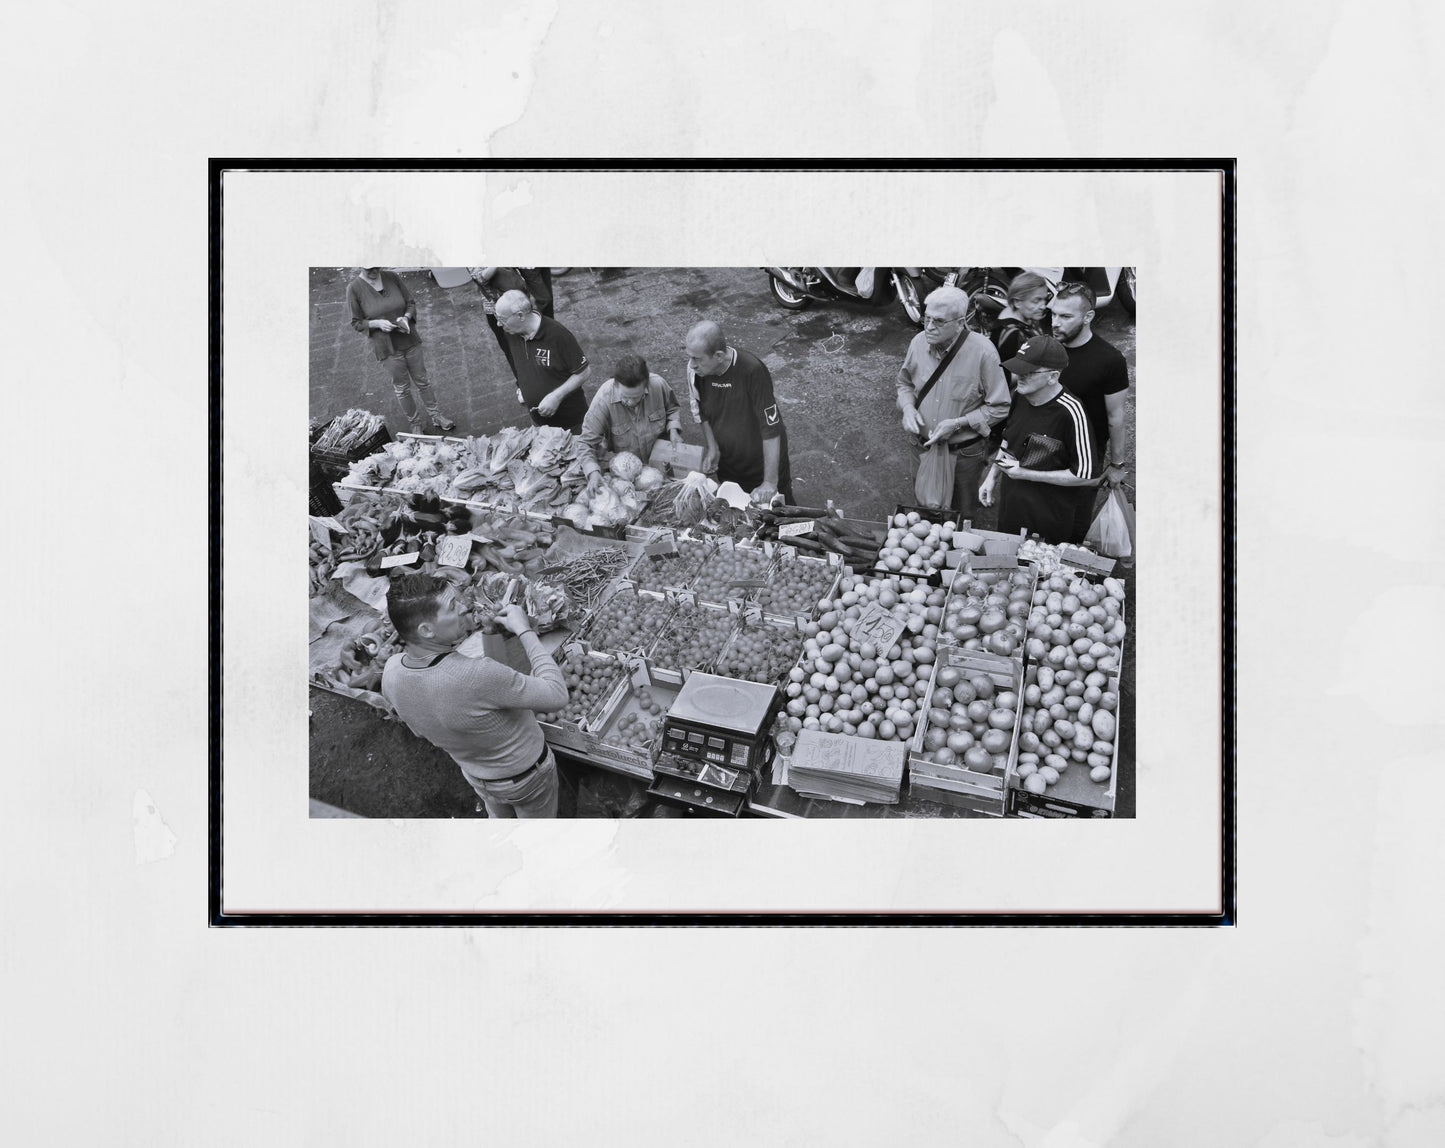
(784, 294)
(1124, 290)
(908, 296)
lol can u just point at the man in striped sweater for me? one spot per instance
(1048, 448)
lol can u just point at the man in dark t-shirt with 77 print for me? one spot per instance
(548, 361)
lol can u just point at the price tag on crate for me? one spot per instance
(454, 550)
(328, 522)
(399, 559)
(834, 558)
(664, 543)
(572, 648)
(770, 548)
(752, 613)
(637, 672)
(787, 554)
(801, 621)
(734, 606)
(724, 541)
(793, 529)
(877, 625)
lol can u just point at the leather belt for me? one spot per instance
(530, 769)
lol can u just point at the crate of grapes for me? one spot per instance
(691, 640)
(759, 650)
(626, 621)
(797, 586)
(592, 678)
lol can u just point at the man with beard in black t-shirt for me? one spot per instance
(1099, 376)
(1047, 450)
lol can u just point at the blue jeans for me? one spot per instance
(408, 367)
(534, 794)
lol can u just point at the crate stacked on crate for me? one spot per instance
(962, 751)
(917, 544)
(346, 439)
(1068, 761)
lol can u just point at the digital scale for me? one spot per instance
(715, 743)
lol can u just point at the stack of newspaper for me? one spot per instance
(843, 768)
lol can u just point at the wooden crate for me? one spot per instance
(986, 792)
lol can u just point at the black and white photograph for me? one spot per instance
(673, 542)
(580, 535)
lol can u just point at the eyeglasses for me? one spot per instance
(935, 321)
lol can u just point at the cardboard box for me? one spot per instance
(680, 459)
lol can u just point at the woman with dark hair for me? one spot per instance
(383, 310)
(1022, 316)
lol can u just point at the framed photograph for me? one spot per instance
(1106, 796)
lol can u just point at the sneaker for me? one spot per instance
(441, 422)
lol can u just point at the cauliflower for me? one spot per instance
(625, 466)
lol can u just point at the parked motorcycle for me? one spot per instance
(987, 287)
(796, 287)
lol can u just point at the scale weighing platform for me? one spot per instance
(715, 742)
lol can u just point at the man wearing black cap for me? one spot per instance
(1048, 448)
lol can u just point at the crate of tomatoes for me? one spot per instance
(969, 733)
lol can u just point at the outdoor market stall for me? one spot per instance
(781, 661)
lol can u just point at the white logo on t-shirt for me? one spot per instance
(544, 357)
(771, 415)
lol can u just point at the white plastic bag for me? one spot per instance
(1112, 530)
